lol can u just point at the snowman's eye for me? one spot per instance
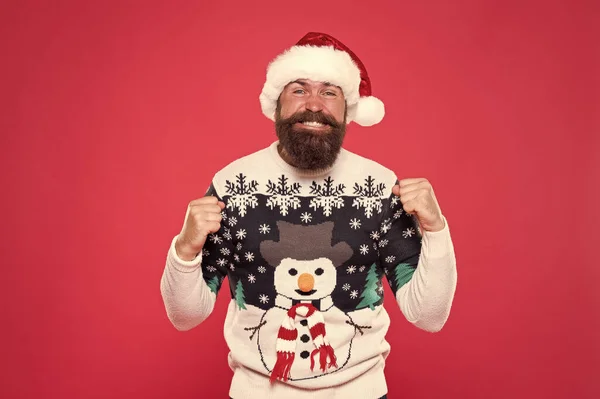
(293, 272)
(319, 271)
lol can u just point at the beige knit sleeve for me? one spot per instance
(427, 298)
(187, 297)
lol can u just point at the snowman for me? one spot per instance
(304, 335)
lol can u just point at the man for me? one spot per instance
(306, 232)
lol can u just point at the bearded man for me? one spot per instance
(307, 232)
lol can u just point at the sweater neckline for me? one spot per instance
(303, 172)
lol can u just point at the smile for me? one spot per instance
(314, 125)
(306, 293)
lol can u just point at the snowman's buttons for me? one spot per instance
(304, 354)
(305, 338)
(304, 322)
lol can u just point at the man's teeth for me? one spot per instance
(313, 124)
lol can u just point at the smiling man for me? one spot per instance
(307, 234)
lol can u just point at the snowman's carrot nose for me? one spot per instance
(306, 282)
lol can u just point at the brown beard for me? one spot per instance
(305, 148)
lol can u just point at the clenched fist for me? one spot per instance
(203, 217)
(418, 198)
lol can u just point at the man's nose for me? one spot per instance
(314, 103)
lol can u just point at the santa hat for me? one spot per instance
(322, 58)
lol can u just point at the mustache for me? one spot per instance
(309, 116)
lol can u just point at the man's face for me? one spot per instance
(310, 122)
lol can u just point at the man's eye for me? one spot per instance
(330, 93)
(298, 91)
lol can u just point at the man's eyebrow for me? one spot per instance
(304, 83)
(300, 82)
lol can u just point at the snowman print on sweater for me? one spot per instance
(305, 335)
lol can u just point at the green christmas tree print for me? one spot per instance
(214, 284)
(240, 299)
(404, 273)
(370, 296)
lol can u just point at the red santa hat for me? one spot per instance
(322, 58)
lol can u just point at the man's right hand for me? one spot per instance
(203, 217)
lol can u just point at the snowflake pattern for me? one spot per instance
(227, 233)
(211, 269)
(236, 257)
(351, 269)
(241, 234)
(306, 217)
(251, 278)
(225, 251)
(364, 249)
(362, 269)
(398, 214)
(375, 235)
(262, 269)
(238, 246)
(394, 201)
(370, 194)
(369, 203)
(380, 289)
(328, 196)
(264, 229)
(408, 232)
(346, 287)
(215, 239)
(249, 256)
(390, 259)
(355, 223)
(232, 221)
(283, 195)
(242, 194)
(385, 226)
(383, 243)
(205, 252)
(221, 262)
(232, 267)
(263, 298)
(354, 294)
(223, 215)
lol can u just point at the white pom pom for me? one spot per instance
(369, 111)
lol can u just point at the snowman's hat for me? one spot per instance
(305, 243)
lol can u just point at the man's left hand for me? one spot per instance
(418, 198)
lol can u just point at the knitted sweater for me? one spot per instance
(306, 256)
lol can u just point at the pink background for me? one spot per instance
(115, 115)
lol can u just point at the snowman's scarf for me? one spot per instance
(286, 341)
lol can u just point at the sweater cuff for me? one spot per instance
(438, 244)
(184, 266)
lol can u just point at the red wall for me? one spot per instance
(115, 116)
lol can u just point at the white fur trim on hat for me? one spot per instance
(369, 111)
(321, 64)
